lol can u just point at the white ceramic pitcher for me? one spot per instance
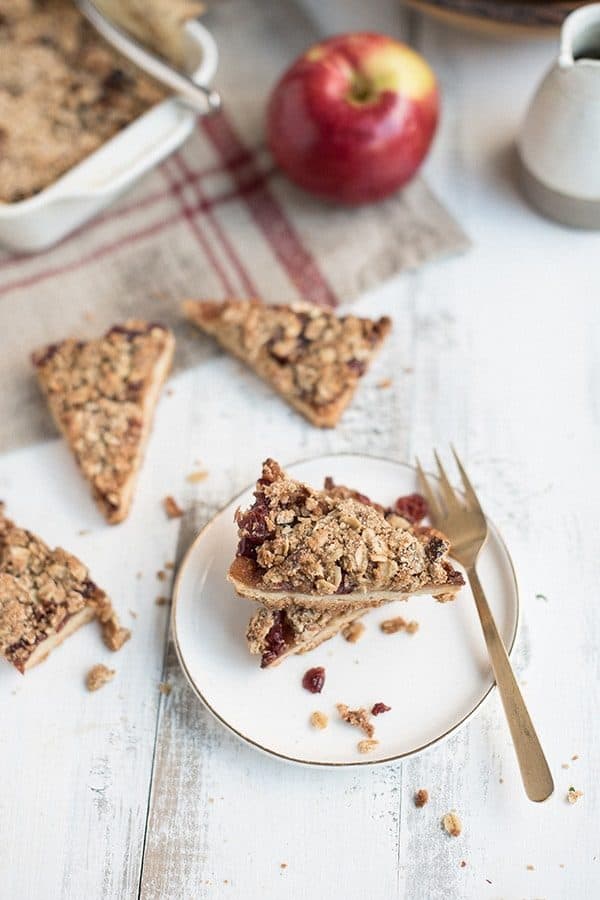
(559, 144)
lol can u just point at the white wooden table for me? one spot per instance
(129, 792)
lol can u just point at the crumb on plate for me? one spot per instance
(452, 824)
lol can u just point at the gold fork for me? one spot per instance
(464, 523)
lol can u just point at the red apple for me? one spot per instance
(353, 118)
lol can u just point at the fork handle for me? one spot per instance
(536, 775)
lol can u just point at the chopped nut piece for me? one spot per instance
(172, 508)
(353, 632)
(573, 795)
(319, 720)
(161, 575)
(98, 676)
(283, 865)
(169, 565)
(195, 477)
(392, 626)
(462, 863)
(452, 824)
(575, 756)
(359, 718)
(165, 688)
(366, 746)
(421, 798)
(530, 868)
(384, 383)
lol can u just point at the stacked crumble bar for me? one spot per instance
(318, 560)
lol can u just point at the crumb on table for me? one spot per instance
(172, 508)
(165, 688)
(195, 477)
(162, 601)
(98, 676)
(421, 798)
(452, 824)
(573, 795)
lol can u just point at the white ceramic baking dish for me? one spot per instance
(78, 195)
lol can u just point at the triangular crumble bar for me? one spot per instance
(311, 357)
(303, 547)
(102, 395)
(45, 595)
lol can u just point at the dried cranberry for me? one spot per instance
(346, 585)
(277, 639)
(412, 507)
(253, 527)
(379, 708)
(314, 679)
(434, 549)
(357, 366)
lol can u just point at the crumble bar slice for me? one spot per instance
(45, 595)
(102, 395)
(274, 634)
(311, 357)
(303, 547)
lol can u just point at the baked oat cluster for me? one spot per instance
(311, 357)
(309, 541)
(63, 93)
(102, 395)
(41, 592)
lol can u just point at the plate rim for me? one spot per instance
(321, 764)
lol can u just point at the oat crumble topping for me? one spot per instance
(311, 357)
(305, 540)
(573, 795)
(102, 394)
(98, 676)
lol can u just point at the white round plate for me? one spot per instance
(434, 680)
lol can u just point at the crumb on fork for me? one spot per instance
(98, 676)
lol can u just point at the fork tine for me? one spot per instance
(450, 498)
(472, 501)
(435, 509)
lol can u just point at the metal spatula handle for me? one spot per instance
(201, 99)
